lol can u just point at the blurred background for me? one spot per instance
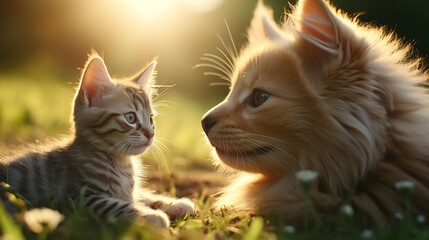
(44, 44)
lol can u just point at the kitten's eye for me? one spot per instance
(258, 97)
(130, 117)
(151, 119)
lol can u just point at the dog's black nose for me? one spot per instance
(208, 122)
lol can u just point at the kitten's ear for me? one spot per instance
(95, 80)
(147, 75)
(263, 27)
(318, 25)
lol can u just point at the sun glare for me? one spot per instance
(156, 8)
(203, 6)
(150, 9)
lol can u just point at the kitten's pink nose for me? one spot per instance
(149, 135)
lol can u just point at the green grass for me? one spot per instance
(31, 109)
(82, 223)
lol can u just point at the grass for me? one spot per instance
(34, 110)
(82, 223)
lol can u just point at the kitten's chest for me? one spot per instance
(117, 180)
(121, 183)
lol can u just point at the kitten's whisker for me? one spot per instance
(118, 152)
(121, 153)
(160, 158)
(158, 105)
(166, 102)
(118, 143)
(163, 93)
(160, 95)
(160, 139)
(162, 148)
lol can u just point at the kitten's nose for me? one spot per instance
(148, 134)
(208, 122)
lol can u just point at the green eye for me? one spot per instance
(130, 117)
(258, 97)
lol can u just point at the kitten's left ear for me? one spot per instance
(318, 25)
(147, 75)
(95, 82)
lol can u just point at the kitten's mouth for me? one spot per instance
(143, 145)
(253, 152)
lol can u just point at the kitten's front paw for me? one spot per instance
(180, 207)
(157, 218)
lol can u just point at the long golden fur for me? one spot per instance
(338, 97)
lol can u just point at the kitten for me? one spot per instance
(112, 123)
(326, 93)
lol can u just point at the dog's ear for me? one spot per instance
(263, 27)
(318, 25)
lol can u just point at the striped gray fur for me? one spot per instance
(99, 156)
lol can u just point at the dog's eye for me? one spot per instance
(258, 97)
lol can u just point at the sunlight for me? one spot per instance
(150, 9)
(200, 6)
(154, 9)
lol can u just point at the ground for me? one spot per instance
(187, 184)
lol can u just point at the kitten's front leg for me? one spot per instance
(175, 207)
(172, 206)
(106, 206)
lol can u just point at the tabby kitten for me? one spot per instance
(112, 123)
(325, 93)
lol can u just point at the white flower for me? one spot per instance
(421, 218)
(366, 233)
(347, 210)
(404, 185)
(289, 229)
(37, 218)
(399, 216)
(306, 176)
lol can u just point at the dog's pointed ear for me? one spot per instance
(318, 25)
(263, 27)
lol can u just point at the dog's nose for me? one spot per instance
(208, 122)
